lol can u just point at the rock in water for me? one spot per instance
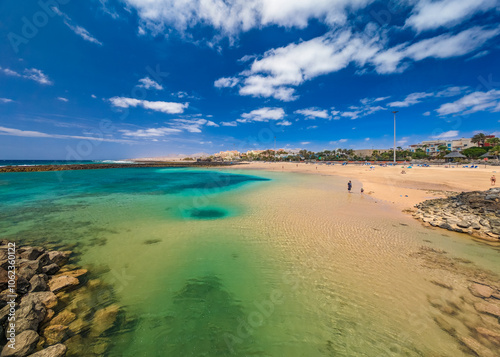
(63, 282)
(47, 298)
(63, 318)
(104, 319)
(25, 344)
(488, 308)
(58, 350)
(59, 258)
(480, 290)
(55, 333)
(476, 347)
(38, 283)
(51, 269)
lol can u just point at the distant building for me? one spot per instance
(228, 155)
(431, 147)
(369, 152)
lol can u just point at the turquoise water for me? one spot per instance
(236, 263)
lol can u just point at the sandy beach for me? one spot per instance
(389, 185)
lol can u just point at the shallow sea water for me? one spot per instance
(244, 263)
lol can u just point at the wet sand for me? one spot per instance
(389, 185)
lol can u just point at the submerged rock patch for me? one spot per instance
(207, 213)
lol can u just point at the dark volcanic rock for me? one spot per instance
(474, 212)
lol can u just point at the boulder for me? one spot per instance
(59, 258)
(54, 334)
(74, 273)
(479, 290)
(4, 278)
(28, 268)
(50, 314)
(488, 308)
(51, 269)
(104, 319)
(476, 347)
(22, 285)
(63, 318)
(78, 326)
(30, 253)
(58, 350)
(25, 344)
(63, 283)
(29, 316)
(492, 336)
(38, 283)
(47, 298)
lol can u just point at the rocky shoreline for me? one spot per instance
(476, 213)
(179, 164)
(56, 308)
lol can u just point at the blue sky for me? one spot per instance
(134, 78)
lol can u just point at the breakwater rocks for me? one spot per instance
(476, 213)
(179, 164)
(49, 308)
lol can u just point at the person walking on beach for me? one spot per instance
(349, 186)
(493, 180)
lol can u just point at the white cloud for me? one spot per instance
(231, 17)
(191, 125)
(5, 100)
(150, 133)
(9, 72)
(229, 123)
(164, 107)
(262, 115)
(147, 83)
(93, 96)
(226, 82)
(472, 103)
(80, 31)
(305, 143)
(313, 113)
(426, 114)
(411, 99)
(62, 99)
(452, 91)
(367, 139)
(38, 134)
(29, 73)
(312, 127)
(284, 123)
(429, 15)
(37, 76)
(279, 71)
(446, 135)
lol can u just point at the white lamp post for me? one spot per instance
(394, 112)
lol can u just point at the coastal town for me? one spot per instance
(480, 146)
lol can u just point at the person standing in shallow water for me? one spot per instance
(493, 180)
(349, 186)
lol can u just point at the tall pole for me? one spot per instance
(394, 112)
(275, 148)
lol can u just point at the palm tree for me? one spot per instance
(479, 139)
(493, 141)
